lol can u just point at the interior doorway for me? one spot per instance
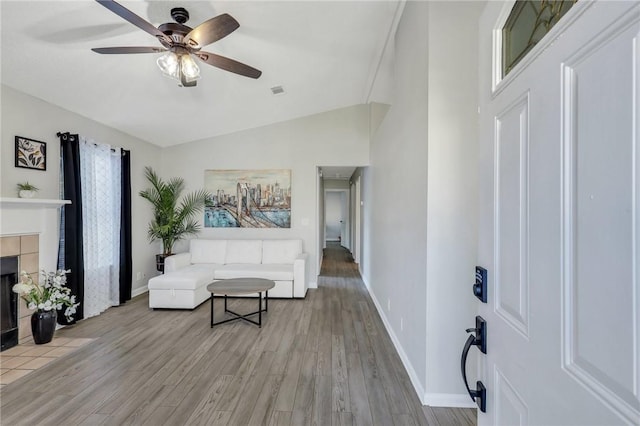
(337, 217)
(338, 223)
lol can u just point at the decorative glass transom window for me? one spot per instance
(527, 23)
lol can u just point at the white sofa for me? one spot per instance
(184, 283)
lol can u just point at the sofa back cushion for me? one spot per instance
(280, 251)
(244, 251)
(208, 251)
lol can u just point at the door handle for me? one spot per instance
(479, 339)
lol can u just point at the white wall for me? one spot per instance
(377, 113)
(336, 184)
(335, 138)
(30, 117)
(395, 197)
(419, 222)
(452, 195)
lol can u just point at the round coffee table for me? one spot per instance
(241, 286)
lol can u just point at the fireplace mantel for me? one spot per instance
(28, 216)
(31, 202)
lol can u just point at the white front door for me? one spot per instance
(559, 225)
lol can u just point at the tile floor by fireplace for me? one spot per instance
(26, 357)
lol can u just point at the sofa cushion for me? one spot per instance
(189, 278)
(280, 251)
(244, 251)
(207, 251)
(269, 272)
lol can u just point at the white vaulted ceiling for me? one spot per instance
(325, 54)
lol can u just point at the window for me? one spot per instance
(96, 227)
(101, 180)
(528, 22)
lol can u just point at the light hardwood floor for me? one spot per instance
(324, 360)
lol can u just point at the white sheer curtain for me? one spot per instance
(101, 186)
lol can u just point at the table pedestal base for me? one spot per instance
(245, 316)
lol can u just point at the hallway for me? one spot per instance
(340, 271)
(338, 262)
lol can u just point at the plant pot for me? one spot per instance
(160, 262)
(43, 325)
(25, 193)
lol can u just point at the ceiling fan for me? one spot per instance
(180, 43)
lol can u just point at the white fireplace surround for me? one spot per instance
(19, 216)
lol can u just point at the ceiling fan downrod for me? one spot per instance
(180, 15)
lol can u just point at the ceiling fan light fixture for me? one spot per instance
(189, 68)
(178, 66)
(169, 65)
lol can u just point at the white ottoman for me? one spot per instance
(183, 289)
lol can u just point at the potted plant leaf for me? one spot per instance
(173, 214)
(26, 190)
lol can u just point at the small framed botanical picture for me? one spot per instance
(31, 154)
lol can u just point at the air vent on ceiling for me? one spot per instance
(277, 90)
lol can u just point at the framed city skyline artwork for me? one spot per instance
(248, 198)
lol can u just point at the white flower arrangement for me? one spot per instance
(50, 294)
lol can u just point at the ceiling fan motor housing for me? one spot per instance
(175, 31)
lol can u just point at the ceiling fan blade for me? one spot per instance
(128, 15)
(228, 64)
(128, 49)
(212, 30)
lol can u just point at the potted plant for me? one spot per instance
(26, 190)
(173, 216)
(48, 297)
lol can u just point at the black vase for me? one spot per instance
(43, 325)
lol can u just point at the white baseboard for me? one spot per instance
(403, 356)
(430, 399)
(449, 400)
(313, 284)
(365, 280)
(138, 291)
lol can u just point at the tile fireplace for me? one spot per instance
(28, 232)
(18, 253)
(8, 302)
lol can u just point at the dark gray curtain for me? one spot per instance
(125, 229)
(71, 256)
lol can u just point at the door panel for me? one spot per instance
(559, 225)
(600, 110)
(510, 408)
(511, 222)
